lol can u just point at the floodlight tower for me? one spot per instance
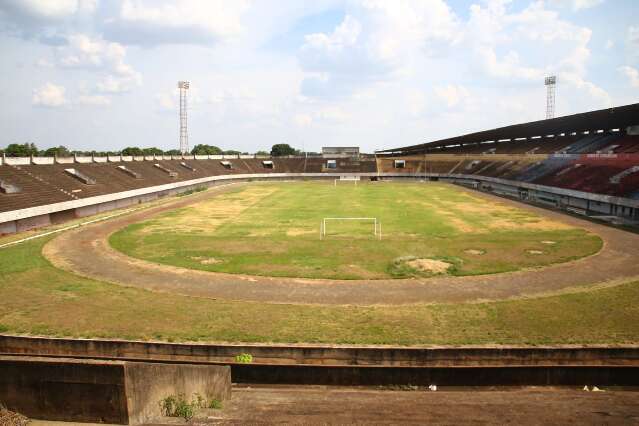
(550, 83)
(184, 134)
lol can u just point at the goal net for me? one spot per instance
(328, 228)
(347, 179)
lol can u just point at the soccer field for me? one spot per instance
(428, 229)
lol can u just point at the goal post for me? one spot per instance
(377, 224)
(355, 179)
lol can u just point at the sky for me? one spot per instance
(102, 74)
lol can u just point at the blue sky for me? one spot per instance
(98, 74)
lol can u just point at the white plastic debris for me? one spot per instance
(433, 388)
(586, 388)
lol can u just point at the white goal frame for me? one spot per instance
(355, 179)
(377, 225)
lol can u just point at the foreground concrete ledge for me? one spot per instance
(102, 391)
(325, 355)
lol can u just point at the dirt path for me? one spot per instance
(86, 252)
(337, 405)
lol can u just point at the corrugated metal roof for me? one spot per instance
(603, 119)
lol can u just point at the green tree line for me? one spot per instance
(28, 149)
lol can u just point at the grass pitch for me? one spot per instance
(38, 299)
(273, 229)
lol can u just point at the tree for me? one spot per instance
(231, 152)
(152, 151)
(202, 149)
(173, 152)
(21, 150)
(59, 151)
(262, 153)
(132, 150)
(282, 149)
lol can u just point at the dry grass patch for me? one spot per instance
(207, 216)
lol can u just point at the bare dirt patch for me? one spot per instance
(549, 242)
(536, 252)
(475, 252)
(207, 260)
(429, 265)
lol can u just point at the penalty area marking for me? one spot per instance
(377, 225)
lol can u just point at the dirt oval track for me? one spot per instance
(85, 251)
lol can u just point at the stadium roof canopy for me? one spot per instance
(603, 119)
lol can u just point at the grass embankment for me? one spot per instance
(273, 229)
(38, 299)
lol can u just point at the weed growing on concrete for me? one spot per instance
(179, 406)
(244, 358)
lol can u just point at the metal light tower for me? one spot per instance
(184, 134)
(550, 83)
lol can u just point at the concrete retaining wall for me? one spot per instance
(65, 390)
(146, 384)
(324, 355)
(103, 391)
(348, 365)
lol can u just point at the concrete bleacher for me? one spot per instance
(50, 182)
(591, 143)
(540, 169)
(33, 191)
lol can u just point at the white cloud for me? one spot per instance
(545, 38)
(49, 95)
(632, 74)
(115, 84)
(609, 44)
(93, 100)
(452, 94)
(176, 22)
(600, 97)
(375, 41)
(39, 18)
(107, 58)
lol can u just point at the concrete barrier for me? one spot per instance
(326, 355)
(103, 391)
(352, 365)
